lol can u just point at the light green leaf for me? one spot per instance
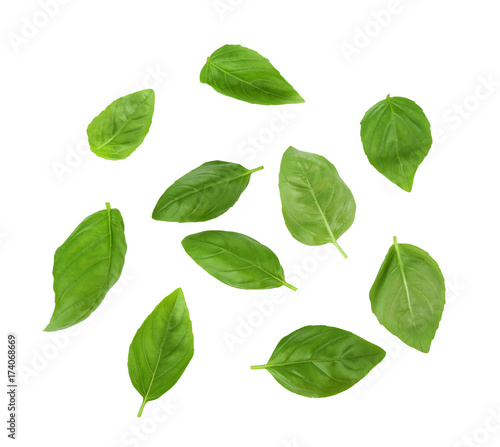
(236, 260)
(121, 128)
(408, 295)
(244, 74)
(86, 266)
(396, 137)
(204, 193)
(161, 349)
(320, 361)
(317, 205)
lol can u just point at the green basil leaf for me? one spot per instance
(204, 193)
(236, 260)
(408, 295)
(317, 205)
(161, 349)
(396, 137)
(86, 266)
(244, 74)
(121, 128)
(320, 361)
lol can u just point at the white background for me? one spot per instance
(75, 388)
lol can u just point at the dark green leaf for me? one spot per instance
(161, 349)
(204, 193)
(121, 128)
(396, 137)
(318, 207)
(86, 266)
(320, 361)
(408, 295)
(244, 74)
(236, 260)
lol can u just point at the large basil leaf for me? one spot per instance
(318, 207)
(204, 193)
(161, 349)
(396, 137)
(121, 128)
(408, 295)
(236, 260)
(86, 266)
(320, 361)
(244, 74)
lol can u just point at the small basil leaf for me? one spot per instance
(396, 136)
(320, 361)
(204, 193)
(408, 295)
(161, 349)
(121, 128)
(244, 74)
(86, 266)
(317, 205)
(236, 260)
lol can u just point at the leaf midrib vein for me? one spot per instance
(243, 81)
(132, 116)
(196, 191)
(393, 120)
(335, 359)
(334, 240)
(405, 283)
(153, 376)
(244, 260)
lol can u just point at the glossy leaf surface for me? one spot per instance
(408, 295)
(121, 128)
(244, 74)
(236, 260)
(320, 361)
(204, 193)
(161, 349)
(317, 205)
(396, 137)
(86, 266)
